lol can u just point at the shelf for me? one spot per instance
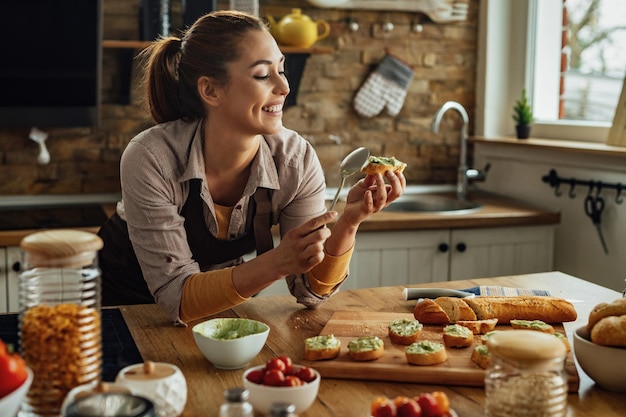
(120, 44)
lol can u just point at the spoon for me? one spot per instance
(352, 163)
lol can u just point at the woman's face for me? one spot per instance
(254, 97)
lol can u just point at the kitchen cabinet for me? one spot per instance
(10, 264)
(421, 256)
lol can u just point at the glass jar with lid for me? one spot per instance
(526, 375)
(59, 316)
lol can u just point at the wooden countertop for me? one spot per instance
(290, 324)
(496, 211)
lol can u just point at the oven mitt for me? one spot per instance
(385, 87)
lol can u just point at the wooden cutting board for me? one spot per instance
(457, 370)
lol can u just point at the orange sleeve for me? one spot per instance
(331, 272)
(207, 293)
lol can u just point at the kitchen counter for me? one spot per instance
(290, 323)
(496, 211)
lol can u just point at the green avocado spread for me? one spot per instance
(457, 330)
(322, 342)
(425, 346)
(405, 327)
(365, 343)
(531, 324)
(384, 160)
(231, 328)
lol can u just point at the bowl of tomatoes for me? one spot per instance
(15, 380)
(280, 380)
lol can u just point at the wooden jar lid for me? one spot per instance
(68, 247)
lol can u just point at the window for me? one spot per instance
(524, 43)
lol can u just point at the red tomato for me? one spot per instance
(12, 370)
(256, 376)
(409, 408)
(288, 364)
(306, 374)
(428, 404)
(276, 364)
(383, 407)
(274, 378)
(443, 403)
(292, 381)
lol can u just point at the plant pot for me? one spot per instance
(523, 131)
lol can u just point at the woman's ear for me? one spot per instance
(208, 91)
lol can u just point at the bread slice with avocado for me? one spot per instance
(457, 336)
(366, 348)
(425, 352)
(323, 347)
(404, 331)
(382, 164)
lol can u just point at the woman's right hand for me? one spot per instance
(302, 248)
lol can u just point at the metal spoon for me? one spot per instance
(352, 163)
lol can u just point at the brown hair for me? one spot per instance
(173, 66)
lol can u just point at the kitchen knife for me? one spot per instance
(417, 293)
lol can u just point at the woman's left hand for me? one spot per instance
(371, 194)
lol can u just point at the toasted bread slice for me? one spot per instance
(319, 348)
(404, 331)
(366, 348)
(382, 164)
(480, 356)
(425, 353)
(537, 325)
(563, 339)
(457, 336)
(479, 326)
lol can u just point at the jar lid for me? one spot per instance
(526, 345)
(74, 247)
(111, 405)
(148, 371)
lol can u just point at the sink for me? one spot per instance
(432, 203)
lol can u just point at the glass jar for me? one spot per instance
(526, 375)
(59, 316)
(236, 403)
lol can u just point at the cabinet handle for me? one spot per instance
(17, 266)
(461, 247)
(443, 247)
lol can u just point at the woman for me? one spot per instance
(204, 186)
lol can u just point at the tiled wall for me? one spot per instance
(443, 57)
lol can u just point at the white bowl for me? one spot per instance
(230, 343)
(10, 404)
(262, 396)
(327, 3)
(603, 364)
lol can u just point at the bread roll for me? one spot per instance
(457, 336)
(532, 307)
(602, 310)
(428, 311)
(537, 325)
(456, 309)
(425, 353)
(480, 356)
(366, 348)
(610, 331)
(321, 347)
(479, 326)
(382, 164)
(404, 331)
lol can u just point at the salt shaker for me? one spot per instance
(59, 316)
(282, 409)
(526, 375)
(236, 403)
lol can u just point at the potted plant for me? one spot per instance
(523, 116)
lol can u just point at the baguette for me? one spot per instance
(428, 311)
(537, 325)
(404, 331)
(479, 326)
(456, 309)
(425, 353)
(382, 164)
(602, 310)
(366, 348)
(457, 336)
(319, 348)
(610, 331)
(545, 308)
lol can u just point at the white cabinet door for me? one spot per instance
(398, 258)
(489, 252)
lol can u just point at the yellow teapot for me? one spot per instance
(298, 30)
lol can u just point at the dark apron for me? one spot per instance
(122, 279)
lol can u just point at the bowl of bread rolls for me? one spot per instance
(600, 346)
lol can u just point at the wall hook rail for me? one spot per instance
(555, 181)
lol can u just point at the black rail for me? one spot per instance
(555, 182)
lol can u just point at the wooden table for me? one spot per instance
(290, 324)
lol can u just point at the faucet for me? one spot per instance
(464, 173)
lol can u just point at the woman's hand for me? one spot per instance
(371, 194)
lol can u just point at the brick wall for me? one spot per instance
(443, 56)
